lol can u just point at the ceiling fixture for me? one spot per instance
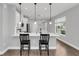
(20, 14)
(26, 8)
(5, 6)
(50, 13)
(35, 13)
(45, 8)
(21, 23)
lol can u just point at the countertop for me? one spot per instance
(36, 34)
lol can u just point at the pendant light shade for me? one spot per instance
(35, 22)
(35, 13)
(20, 14)
(50, 13)
(21, 23)
(50, 22)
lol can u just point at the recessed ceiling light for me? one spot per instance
(45, 8)
(26, 8)
(5, 6)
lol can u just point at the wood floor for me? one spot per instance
(62, 49)
(65, 50)
(25, 53)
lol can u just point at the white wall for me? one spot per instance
(11, 23)
(1, 38)
(72, 26)
(7, 19)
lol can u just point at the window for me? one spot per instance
(60, 25)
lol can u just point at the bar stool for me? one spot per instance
(24, 40)
(44, 40)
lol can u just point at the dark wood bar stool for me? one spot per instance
(44, 41)
(24, 40)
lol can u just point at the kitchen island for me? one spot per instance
(35, 37)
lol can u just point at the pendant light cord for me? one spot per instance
(22, 24)
(50, 10)
(35, 10)
(20, 11)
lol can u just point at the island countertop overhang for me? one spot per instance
(36, 34)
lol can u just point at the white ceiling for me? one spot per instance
(43, 11)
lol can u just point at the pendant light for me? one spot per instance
(35, 13)
(22, 24)
(50, 13)
(20, 14)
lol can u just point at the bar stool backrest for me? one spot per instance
(24, 37)
(44, 37)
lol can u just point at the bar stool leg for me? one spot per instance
(40, 51)
(39, 48)
(28, 49)
(21, 50)
(48, 50)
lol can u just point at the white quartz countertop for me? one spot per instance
(37, 34)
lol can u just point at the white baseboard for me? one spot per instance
(52, 47)
(77, 48)
(31, 47)
(2, 52)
